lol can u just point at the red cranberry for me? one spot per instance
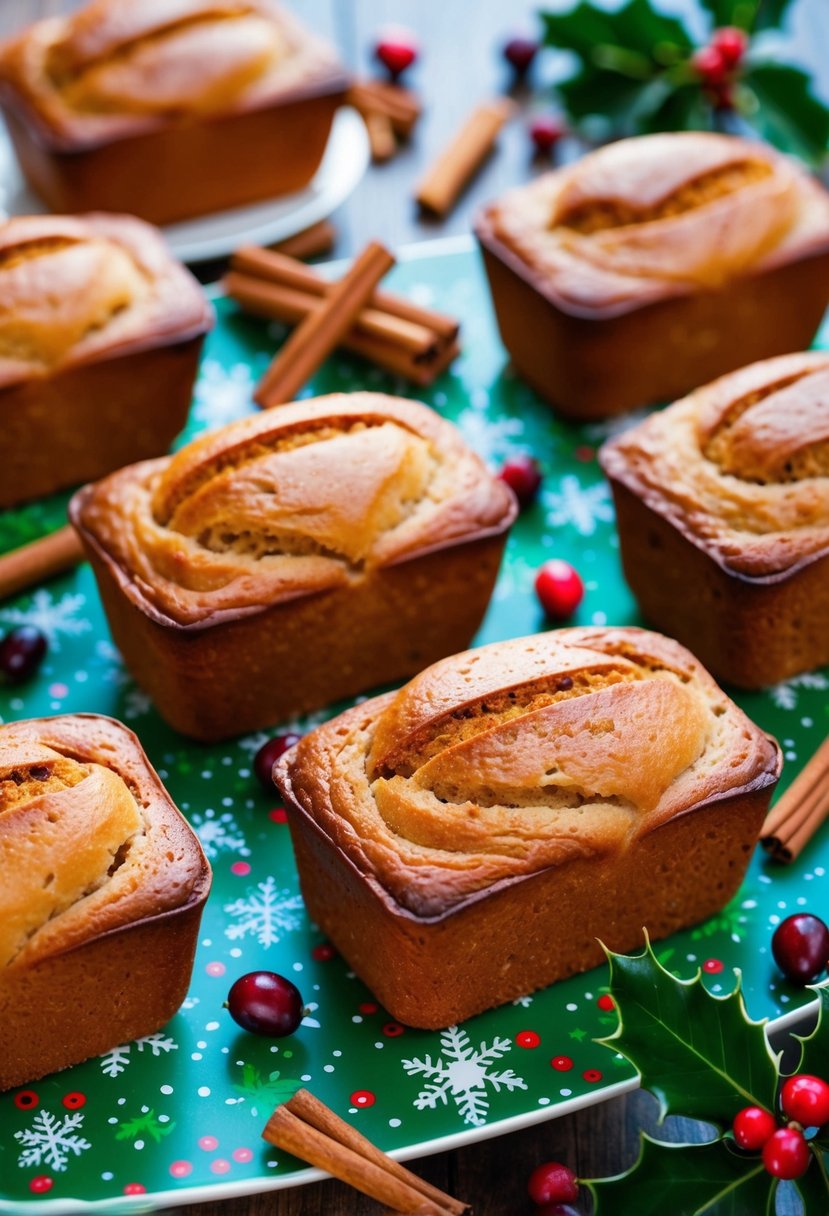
(731, 43)
(265, 1003)
(805, 1099)
(753, 1126)
(21, 653)
(552, 1182)
(397, 50)
(709, 65)
(519, 53)
(545, 132)
(267, 756)
(559, 589)
(523, 476)
(800, 946)
(786, 1154)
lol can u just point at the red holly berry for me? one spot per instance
(709, 65)
(559, 589)
(21, 653)
(805, 1099)
(396, 49)
(523, 476)
(265, 1003)
(545, 131)
(800, 945)
(519, 53)
(552, 1182)
(786, 1154)
(731, 44)
(753, 1126)
(267, 756)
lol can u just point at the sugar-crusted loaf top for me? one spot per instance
(660, 214)
(89, 839)
(500, 762)
(740, 466)
(294, 500)
(73, 288)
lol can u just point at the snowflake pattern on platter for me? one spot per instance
(52, 617)
(219, 833)
(266, 914)
(114, 1062)
(581, 507)
(222, 393)
(51, 1141)
(464, 1073)
(785, 694)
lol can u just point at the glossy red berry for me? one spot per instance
(21, 653)
(752, 1127)
(800, 945)
(805, 1099)
(552, 1182)
(523, 476)
(731, 44)
(519, 53)
(786, 1154)
(267, 756)
(397, 50)
(545, 132)
(709, 65)
(559, 589)
(265, 1003)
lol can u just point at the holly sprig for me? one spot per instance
(704, 1057)
(639, 71)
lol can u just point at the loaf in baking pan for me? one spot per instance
(100, 335)
(168, 109)
(293, 558)
(101, 893)
(722, 502)
(467, 839)
(654, 265)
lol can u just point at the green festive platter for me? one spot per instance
(177, 1117)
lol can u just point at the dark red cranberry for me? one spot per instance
(545, 131)
(800, 946)
(552, 1182)
(21, 653)
(519, 53)
(267, 756)
(397, 50)
(710, 66)
(559, 589)
(786, 1154)
(265, 1003)
(731, 43)
(752, 1127)
(523, 476)
(805, 1099)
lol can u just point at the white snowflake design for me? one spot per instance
(581, 507)
(523, 1001)
(222, 394)
(50, 1141)
(219, 832)
(491, 438)
(463, 1073)
(115, 1061)
(50, 616)
(785, 694)
(597, 432)
(266, 913)
(136, 704)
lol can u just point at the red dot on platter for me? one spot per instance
(323, 953)
(363, 1098)
(527, 1038)
(26, 1099)
(40, 1183)
(713, 966)
(393, 1030)
(606, 1002)
(278, 815)
(368, 1007)
(561, 1063)
(592, 1075)
(135, 1188)
(74, 1100)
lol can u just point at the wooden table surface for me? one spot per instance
(460, 63)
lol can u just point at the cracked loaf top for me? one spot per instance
(504, 761)
(90, 841)
(741, 466)
(299, 499)
(660, 215)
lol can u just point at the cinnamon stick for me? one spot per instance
(465, 153)
(323, 330)
(798, 814)
(39, 560)
(401, 106)
(311, 242)
(380, 136)
(315, 1113)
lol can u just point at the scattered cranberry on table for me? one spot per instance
(805, 1099)
(22, 651)
(552, 1183)
(559, 589)
(786, 1154)
(267, 756)
(523, 476)
(265, 1003)
(519, 53)
(800, 945)
(545, 131)
(753, 1126)
(397, 49)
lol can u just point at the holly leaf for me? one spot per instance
(780, 104)
(750, 15)
(813, 1187)
(635, 40)
(814, 1047)
(686, 1180)
(700, 1054)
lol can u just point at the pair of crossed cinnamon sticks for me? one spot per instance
(389, 112)
(800, 811)
(310, 1130)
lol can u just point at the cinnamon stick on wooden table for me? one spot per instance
(39, 560)
(798, 814)
(311, 242)
(444, 181)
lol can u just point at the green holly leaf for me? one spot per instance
(777, 99)
(750, 15)
(700, 1054)
(814, 1047)
(687, 1180)
(813, 1187)
(635, 40)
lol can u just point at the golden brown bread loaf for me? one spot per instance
(168, 108)
(100, 334)
(723, 512)
(102, 893)
(655, 264)
(295, 557)
(467, 839)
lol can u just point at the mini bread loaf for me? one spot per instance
(101, 894)
(100, 334)
(653, 265)
(467, 839)
(722, 502)
(168, 108)
(295, 557)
